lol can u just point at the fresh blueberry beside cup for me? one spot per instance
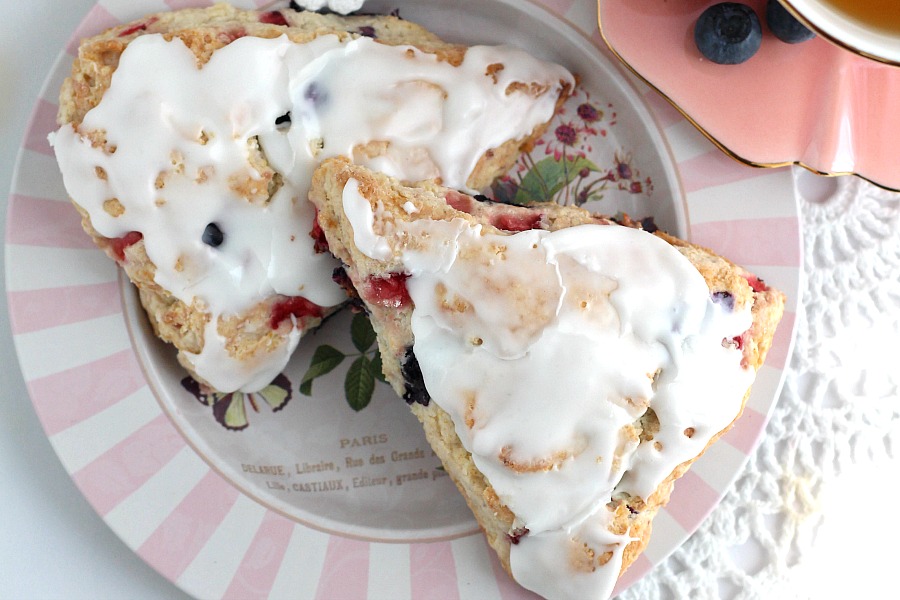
(728, 33)
(784, 25)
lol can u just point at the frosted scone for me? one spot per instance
(188, 141)
(567, 370)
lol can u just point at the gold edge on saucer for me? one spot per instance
(725, 149)
(829, 38)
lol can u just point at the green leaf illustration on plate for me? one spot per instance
(324, 360)
(362, 333)
(377, 369)
(359, 381)
(548, 176)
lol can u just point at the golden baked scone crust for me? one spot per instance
(204, 31)
(395, 336)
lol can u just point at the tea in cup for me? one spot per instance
(870, 28)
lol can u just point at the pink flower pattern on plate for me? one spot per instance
(560, 167)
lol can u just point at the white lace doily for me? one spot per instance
(800, 521)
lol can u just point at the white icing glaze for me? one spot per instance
(363, 231)
(339, 6)
(438, 120)
(498, 318)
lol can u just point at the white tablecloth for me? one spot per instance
(811, 516)
(827, 466)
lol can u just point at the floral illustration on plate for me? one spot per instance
(561, 166)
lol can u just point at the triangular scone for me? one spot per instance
(567, 370)
(188, 140)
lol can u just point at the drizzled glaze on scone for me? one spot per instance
(651, 372)
(209, 167)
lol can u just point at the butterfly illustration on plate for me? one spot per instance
(230, 410)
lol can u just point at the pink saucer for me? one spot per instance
(811, 104)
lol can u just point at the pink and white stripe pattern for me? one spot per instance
(191, 525)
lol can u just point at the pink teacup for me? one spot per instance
(847, 28)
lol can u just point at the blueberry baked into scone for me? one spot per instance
(566, 369)
(188, 139)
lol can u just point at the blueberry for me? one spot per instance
(213, 236)
(322, 11)
(315, 94)
(648, 224)
(283, 122)
(728, 33)
(724, 299)
(784, 25)
(412, 378)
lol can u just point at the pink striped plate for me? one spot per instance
(304, 490)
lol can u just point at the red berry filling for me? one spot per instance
(738, 343)
(232, 34)
(516, 534)
(388, 291)
(119, 244)
(458, 201)
(757, 284)
(138, 27)
(273, 18)
(297, 306)
(512, 222)
(320, 244)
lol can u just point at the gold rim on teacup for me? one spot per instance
(845, 32)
